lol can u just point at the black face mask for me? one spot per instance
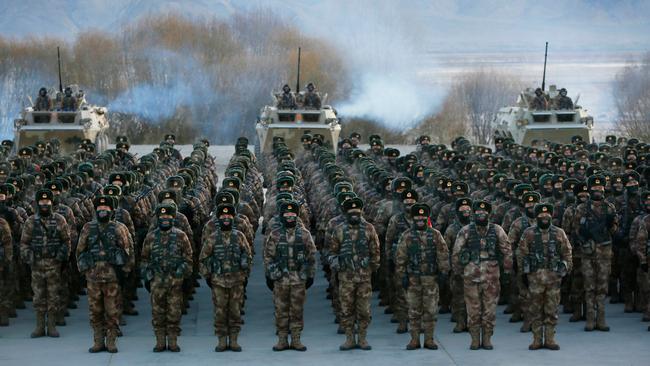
(420, 224)
(464, 219)
(225, 224)
(632, 190)
(103, 216)
(354, 218)
(558, 194)
(481, 219)
(597, 195)
(165, 224)
(289, 221)
(548, 191)
(45, 210)
(530, 212)
(583, 198)
(543, 222)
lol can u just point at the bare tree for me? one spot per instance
(632, 96)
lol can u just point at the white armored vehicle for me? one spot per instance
(69, 126)
(525, 124)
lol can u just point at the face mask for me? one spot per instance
(289, 221)
(558, 194)
(165, 224)
(481, 219)
(103, 215)
(530, 212)
(420, 224)
(225, 224)
(597, 195)
(354, 218)
(543, 222)
(464, 218)
(548, 191)
(632, 189)
(45, 210)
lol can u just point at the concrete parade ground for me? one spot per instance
(628, 342)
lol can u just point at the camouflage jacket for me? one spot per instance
(594, 222)
(484, 264)
(166, 255)
(548, 251)
(422, 253)
(289, 255)
(225, 257)
(6, 244)
(354, 251)
(98, 249)
(45, 240)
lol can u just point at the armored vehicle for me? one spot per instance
(70, 127)
(524, 124)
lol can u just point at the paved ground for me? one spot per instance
(627, 344)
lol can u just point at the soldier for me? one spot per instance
(289, 261)
(166, 260)
(463, 217)
(563, 101)
(104, 254)
(545, 258)
(43, 102)
(311, 99)
(422, 259)
(45, 246)
(539, 102)
(593, 224)
(476, 256)
(286, 100)
(69, 102)
(224, 262)
(6, 277)
(354, 255)
(640, 244)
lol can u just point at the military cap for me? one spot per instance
(112, 190)
(225, 209)
(531, 197)
(117, 177)
(338, 187)
(122, 145)
(224, 197)
(410, 194)
(54, 186)
(44, 194)
(463, 201)
(630, 165)
(104, 200)
(482, 205)
(596, 181)
(581, 187)
(344, 196)
(121, 138)
(632, 176)
(284, 196)
(289, 207)
(460, 186)
(167, 194)
(25, 151)
(306, 137)
(7, 143)
(285, 182)
(169, 136)
(391, 152)
(355, 135)
(545, 178)
(401, 183)
(166, 209)
(87, 168)
(353, 204)
(569, 184)
(541, 208)
(522, 188)
(420, 209)
(176, 181)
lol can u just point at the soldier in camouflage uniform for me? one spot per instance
(354, 255)
(166, 261)
(289, 261)
(104, 254)
(6, 259)
(463, 212)
(544, 257)
(593, 224)
(476, 256)
(224, 262)
(422, 258)
(640, 244)
(45, 246)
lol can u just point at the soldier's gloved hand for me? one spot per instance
(405, 282)
(310, 281)
(506, 278)
(208, 281)
(269, 283)
(391, 266)
(644, 267)
(525, 280)
(443, 278)
(147, 286)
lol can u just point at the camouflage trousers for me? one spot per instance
(422, 296)
(398, 302)
(355, 302)
(46, 284)
(458, 308)
(6, 301)
(104, 302)
(481, 301)
(289, 301)
(227, 303)
(643, 278)
(521, 296)
(543, 298)
(576, 279)
(627, 264)
(336, 298)
(166, 305)
(596, 268)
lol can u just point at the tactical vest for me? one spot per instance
(226, 259)
(46, 243)
(102, 245)
(476, 244)
(354, 254)
(401, 227)
(538, 258)
(422, 262)
(282, 252)
(165, 258)
(596, 224)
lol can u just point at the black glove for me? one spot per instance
(644, 267)
(443, 278)
(310, 281)
(405, 282)
(391, 266)
(208, 281)
(147, 286)
(269, 283)
(505, 278)
(525, 280)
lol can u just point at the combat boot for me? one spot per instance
(172, 343)
(60, 319)
(475, 333)
(39, 331)
(349, 341)
(98, 342)
(601, 324)
(222, 345)
(415, 340)
(589, 322)
(20, 304)
(160, 342)
(4, 319)
(295, 341)
(487, 339)
(537, 338)
(461, 325)
(614, 294)
(516, 317)
(429, 342)
(629, 303)
(577, 313)
(111, 338)
(234, 346)
(362, 341)
(402, 327)
(51, 326)
(282, 344)
(549, 338)
(525, 328)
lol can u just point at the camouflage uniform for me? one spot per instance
(641, 246)
(397, 225)
(6, 259)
